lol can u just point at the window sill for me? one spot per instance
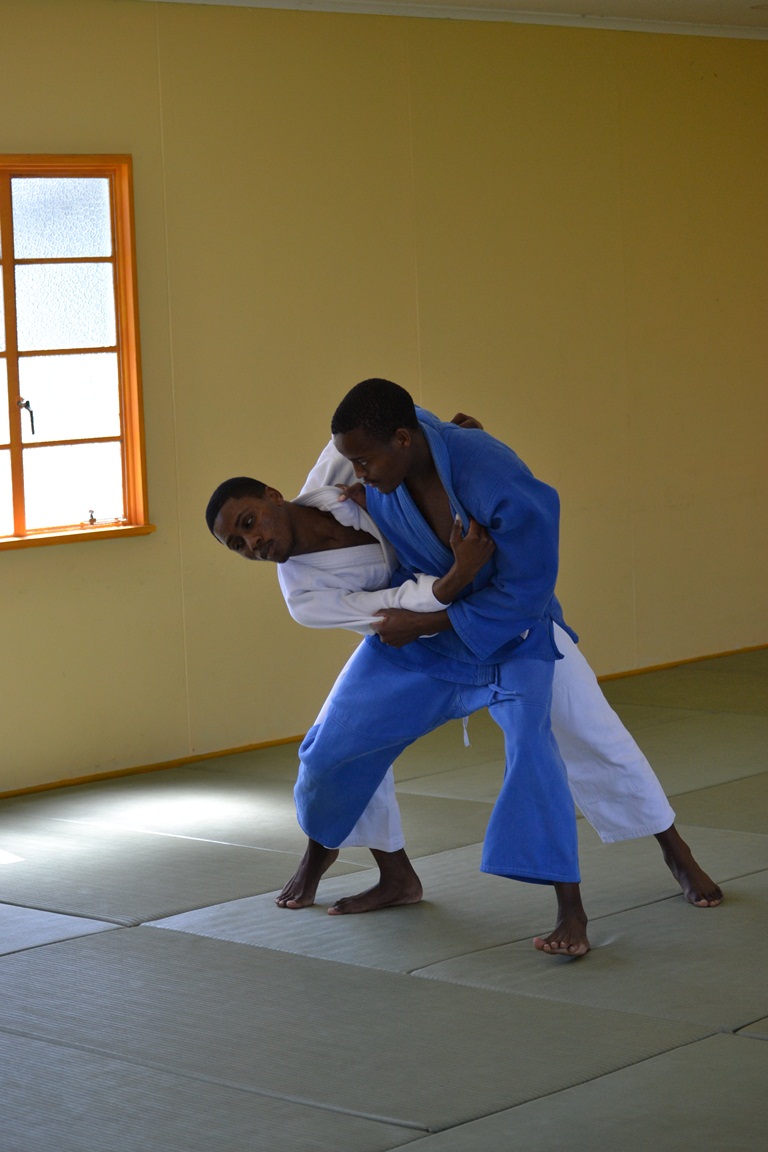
(75, 536)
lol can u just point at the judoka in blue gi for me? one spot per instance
(335, 567)
(492, 648)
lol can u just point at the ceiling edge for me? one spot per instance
(446, 12)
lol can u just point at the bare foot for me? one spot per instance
(398, 884)
(377, 897)
(300, 890)
(569, 937)
(698, 888)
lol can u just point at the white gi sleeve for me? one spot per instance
(324, 605)
(330, 469)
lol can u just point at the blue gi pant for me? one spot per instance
(381, 708)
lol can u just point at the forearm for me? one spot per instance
(471, 552)
(431, 622)
(318, 607)
(447, 588)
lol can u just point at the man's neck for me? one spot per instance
(422, 472)
(427, 491)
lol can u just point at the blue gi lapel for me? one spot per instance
(417, 546)
(438, 558)
(435, 552)
(443, 464)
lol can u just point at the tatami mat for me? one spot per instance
(756, 1028)
(754, 663)
(707, 967)
(639, 718)
(692, 686)
(698, 750)
(126, 877)
(687, 750)
(316, 1032)
(474, 781)
(273, 769)
(238, 808)
(221, 1022)
(274, 763)
(708, 1097)
(96, 1103)
(241, 809)
(688, 746)
(742, 805)
(465, 911)
(22, 928)
(444, 749)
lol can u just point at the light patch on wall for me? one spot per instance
(9, 858)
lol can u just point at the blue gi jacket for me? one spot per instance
(515, 592)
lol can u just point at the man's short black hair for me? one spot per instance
(378, 407)
(233, 489)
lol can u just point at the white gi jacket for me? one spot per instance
(345, 587)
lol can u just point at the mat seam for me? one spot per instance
(74, 915)
(579, 1084)
(711, 1029)
(723, 784)
(202, 1078)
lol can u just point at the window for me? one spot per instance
(71, 432)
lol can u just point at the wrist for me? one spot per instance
(447, 587)
(431, 622)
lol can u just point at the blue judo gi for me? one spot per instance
(500, 655)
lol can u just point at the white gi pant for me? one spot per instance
(610, 779)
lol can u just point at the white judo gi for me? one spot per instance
(610, 779)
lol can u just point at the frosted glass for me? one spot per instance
(62, 484)
(65, 306)
(2, 318)
(72, 397)
(5, 433)
(6, 495)
(61, 216)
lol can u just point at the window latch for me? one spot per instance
(26, 404)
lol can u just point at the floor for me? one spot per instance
(155, 998)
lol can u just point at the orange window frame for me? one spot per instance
(119, 171)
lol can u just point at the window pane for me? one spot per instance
(5, 434)
(72, 397)
(61, 216)
(6, 495)
(65, 306)
(63, 484)
(2, 318)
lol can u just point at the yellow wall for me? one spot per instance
(560, 230)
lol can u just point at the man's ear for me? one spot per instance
(273, 495)
(403, 437)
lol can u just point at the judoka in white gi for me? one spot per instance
(345, 588)
(609, 777)
(303, 538)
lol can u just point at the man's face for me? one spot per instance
(381, 464)
(258, 529)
